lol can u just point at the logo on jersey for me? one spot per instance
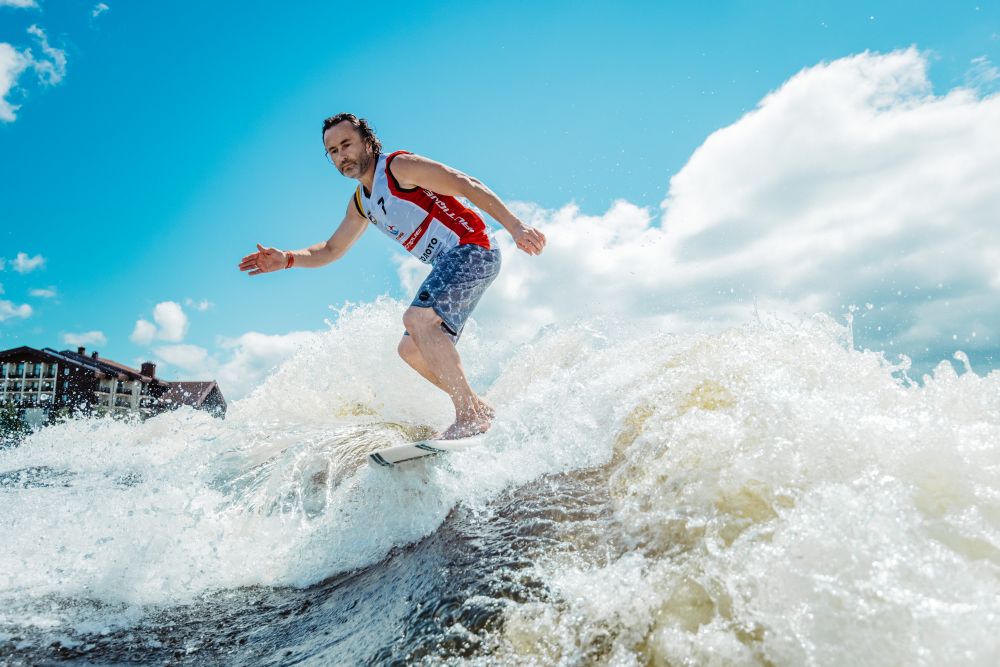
(444, 209)
(429, 250)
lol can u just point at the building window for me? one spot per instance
(20, 368)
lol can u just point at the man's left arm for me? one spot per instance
(416, 171)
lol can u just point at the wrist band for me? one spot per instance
(290, 262)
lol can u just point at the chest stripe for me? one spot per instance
(414, 238)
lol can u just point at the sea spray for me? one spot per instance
(788, 500)
(764, 495)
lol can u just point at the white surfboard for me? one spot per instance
(390, 456)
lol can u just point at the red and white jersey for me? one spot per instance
(424, 222)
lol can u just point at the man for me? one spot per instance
(415, 201)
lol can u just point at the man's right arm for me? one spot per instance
(266, 260)
(350, 230)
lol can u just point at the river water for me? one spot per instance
(765, 495)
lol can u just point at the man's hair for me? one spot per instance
(360, 124)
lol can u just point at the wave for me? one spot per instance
(769, 493)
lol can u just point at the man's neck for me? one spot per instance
(368, 178)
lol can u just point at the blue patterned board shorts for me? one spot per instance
(456, 283)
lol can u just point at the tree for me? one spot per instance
(12, 426)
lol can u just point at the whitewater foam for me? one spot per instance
(776, 495)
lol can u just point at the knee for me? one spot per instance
(417, 320)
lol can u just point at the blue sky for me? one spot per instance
(176, 135)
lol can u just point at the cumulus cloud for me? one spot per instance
(25, 264)
(12, 63)
(171, 320)
(44, 293)
(49, 69)
(99, 9)
(190, 358)
(852, 183)
(9, 310)
(18, 3)
(171, 325)
(85, 338)
(143, 333)
(241, 363)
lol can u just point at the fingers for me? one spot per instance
(532, 241)
(261, 248)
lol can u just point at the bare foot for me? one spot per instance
(468, 425)
(485, 408)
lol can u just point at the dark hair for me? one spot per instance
(359, 124)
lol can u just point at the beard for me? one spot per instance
(360, 166)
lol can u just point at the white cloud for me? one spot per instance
(85, 338)
(9, 310)
(851, 183)
(12, 63)
(171, 325)
(200, 306)
(49, 69)
(983, 75)
(44, 293)
(191, 358)
(240, 365)
(25, 264)
(18, 3)
(143, 333)
(99, 9)
(171, 320)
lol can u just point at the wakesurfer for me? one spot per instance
(416, 201)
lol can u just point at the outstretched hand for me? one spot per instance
(264, 260)
(529, 239)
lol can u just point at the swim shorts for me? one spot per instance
(456, 283)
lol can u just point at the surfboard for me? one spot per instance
(390, 456)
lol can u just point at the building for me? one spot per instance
(44, 384)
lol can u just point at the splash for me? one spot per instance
(775, 495)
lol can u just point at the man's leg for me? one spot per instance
(411, 355)
(442, 363)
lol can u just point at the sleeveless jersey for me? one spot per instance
(425, 223)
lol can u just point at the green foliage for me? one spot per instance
(12, 426)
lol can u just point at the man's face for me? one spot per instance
(347, 150)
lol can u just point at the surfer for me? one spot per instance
(416, 201)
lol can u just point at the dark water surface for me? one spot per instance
(439, 599)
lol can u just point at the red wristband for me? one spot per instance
(290, 262)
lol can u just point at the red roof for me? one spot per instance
(189, 393)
